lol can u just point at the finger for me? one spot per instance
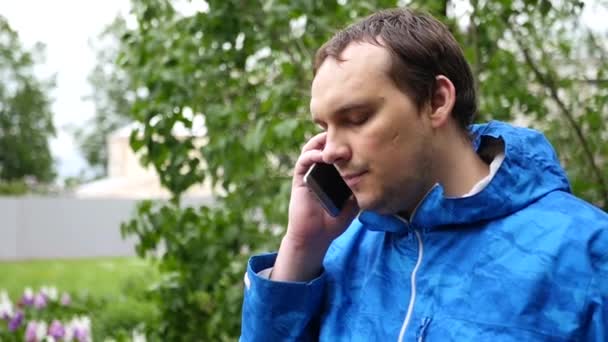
(315, 143)
(306, 160)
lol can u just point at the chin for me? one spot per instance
(369, 203)
(377, 204)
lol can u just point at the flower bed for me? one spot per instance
(46, 315)
(43, 316)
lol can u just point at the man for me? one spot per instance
(455, 232)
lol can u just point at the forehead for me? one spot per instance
(362, 74)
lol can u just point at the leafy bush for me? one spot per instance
(118, 317)
(13, 188)
(197, 291)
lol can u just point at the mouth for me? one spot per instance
(353, 179)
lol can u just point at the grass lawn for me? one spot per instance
(100, 277)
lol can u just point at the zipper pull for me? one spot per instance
(422, 329)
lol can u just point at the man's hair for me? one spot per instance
(421, 48)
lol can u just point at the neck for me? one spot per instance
(461, 168)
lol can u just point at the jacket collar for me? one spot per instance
(529, 171)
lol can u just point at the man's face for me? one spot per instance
(376, 136)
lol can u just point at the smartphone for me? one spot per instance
(330, 189)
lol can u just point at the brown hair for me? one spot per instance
(421, 48)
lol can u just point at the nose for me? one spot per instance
(336, 150)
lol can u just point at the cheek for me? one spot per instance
(383, 146)
(395, 139)
(389, 138)
(396, 144)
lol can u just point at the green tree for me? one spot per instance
(535, 62)
(26, 121)
(246, 68)
(111, 96)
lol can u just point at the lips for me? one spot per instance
(353, 179)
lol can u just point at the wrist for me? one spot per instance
(306, 245)
(299, 261)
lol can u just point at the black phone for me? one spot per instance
(330, 189)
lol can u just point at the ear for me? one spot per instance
(442, 101)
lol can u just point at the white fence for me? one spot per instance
(62, 227)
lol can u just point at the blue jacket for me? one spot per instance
(522, 260)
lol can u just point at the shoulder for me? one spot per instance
(561, 209)
(569, 224)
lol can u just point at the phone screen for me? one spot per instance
(329, 187)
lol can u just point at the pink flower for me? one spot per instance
(30, 332)
(66, 299)
(35, 331)
(40, 301)
(79, 329)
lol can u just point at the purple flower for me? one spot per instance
(81, 334)
(35, 331)
(50, 292)
(30, 332)
(40, 301)
(16, 321)
(6, 311)
(79, 329)
(56, 330)
(66, 299)
(28, 297)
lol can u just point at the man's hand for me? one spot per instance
(311, 229)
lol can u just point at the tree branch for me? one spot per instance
(549, 83)
(597, 47)
(591, 81)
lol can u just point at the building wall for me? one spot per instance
(123, 162)
(128, 179)
(51, 227)
(9, 211)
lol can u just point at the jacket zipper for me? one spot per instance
(410, 307)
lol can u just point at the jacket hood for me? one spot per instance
(529, 171)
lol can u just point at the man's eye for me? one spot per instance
(358, 119)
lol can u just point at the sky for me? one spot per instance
(67, 26)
